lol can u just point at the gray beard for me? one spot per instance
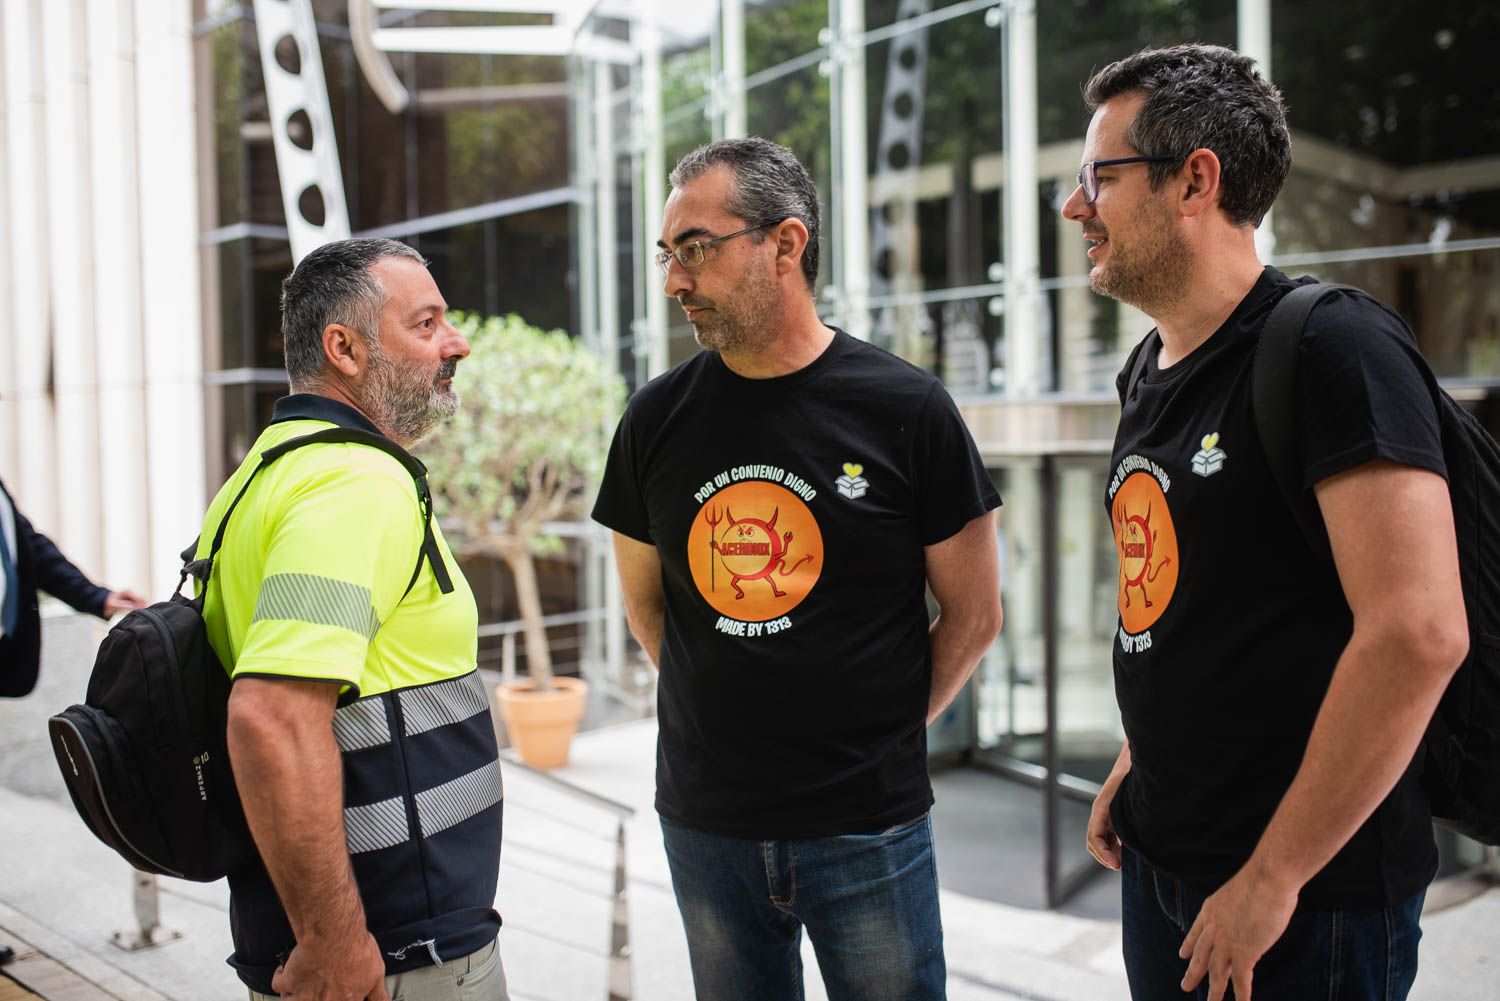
(405, 404)
(745, 325)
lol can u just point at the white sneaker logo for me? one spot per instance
(851, 484)
(1210, 459)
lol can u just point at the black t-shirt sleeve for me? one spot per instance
(621, 505)
(1363, 392)
(953, 487)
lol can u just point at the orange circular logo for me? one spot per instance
(1146, 544)
(755, 551)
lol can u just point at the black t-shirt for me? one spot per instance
(790, 516)
(1230, 623)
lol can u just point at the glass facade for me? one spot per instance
(943, 137)
(474, 174)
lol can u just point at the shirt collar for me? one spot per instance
(312, 407)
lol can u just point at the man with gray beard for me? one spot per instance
(358, 728)
(780, 503)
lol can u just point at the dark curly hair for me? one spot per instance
(1205, 97)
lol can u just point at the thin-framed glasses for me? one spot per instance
(691, 255)
(1088, 177)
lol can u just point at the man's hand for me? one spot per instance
(334, 972)
(1101, 840)
(1236, 927)
(122, 601)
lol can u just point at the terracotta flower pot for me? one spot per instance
(542, 724)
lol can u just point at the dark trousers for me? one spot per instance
(869, 903)
(1333, 954)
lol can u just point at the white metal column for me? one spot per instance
(71, 250)
(596, 567)
(301, 170)
(117, 276)
(606, 225)
(654, 188)
(10, 411)
(850, 170)
(732, 86)
(1023, 333)
(1254, 18)
(30, 305)
(173, 449)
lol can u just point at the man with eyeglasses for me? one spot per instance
(1265, 809)
(780, 504)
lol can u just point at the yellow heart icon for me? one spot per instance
(1209, 441)
(853, 469)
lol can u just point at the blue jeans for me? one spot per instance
(869, 903)
(1337, 954)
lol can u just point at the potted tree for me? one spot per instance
(525, 449)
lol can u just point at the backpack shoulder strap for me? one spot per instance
(1138, 365)
(1273, 391)
(428, 553)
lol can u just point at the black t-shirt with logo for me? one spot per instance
(790, 516)
(1230, 625)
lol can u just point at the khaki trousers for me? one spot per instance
(478, 977)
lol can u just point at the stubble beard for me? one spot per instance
(408, 404)
(1150, 272)
(746, 323)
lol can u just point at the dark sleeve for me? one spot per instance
(1365, 392)
(953, 487)
(54, 574)
(621, 505)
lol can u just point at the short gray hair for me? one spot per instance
(1205, 97)
(333, 284)
(770, 185)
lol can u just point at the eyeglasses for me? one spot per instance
(691, 255)
(1088, 177)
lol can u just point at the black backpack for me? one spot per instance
(1461, 773)
(144, 758)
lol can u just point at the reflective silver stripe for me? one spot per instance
(440, 807)
(324, 601)
(375, 826)
(432, 706)
(362, 724)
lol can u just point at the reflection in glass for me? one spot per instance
(1395, 185)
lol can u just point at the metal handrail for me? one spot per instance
(619, 985)
(620, 810)
(510, 627)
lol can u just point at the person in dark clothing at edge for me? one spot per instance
(359, 730)
(1264, 810)
(31, 562)
(780, 503)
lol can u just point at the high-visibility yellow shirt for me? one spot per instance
(310, 580)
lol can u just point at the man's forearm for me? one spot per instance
(290, 780)
(1378, 705)
(646, 625)
(957, 646)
